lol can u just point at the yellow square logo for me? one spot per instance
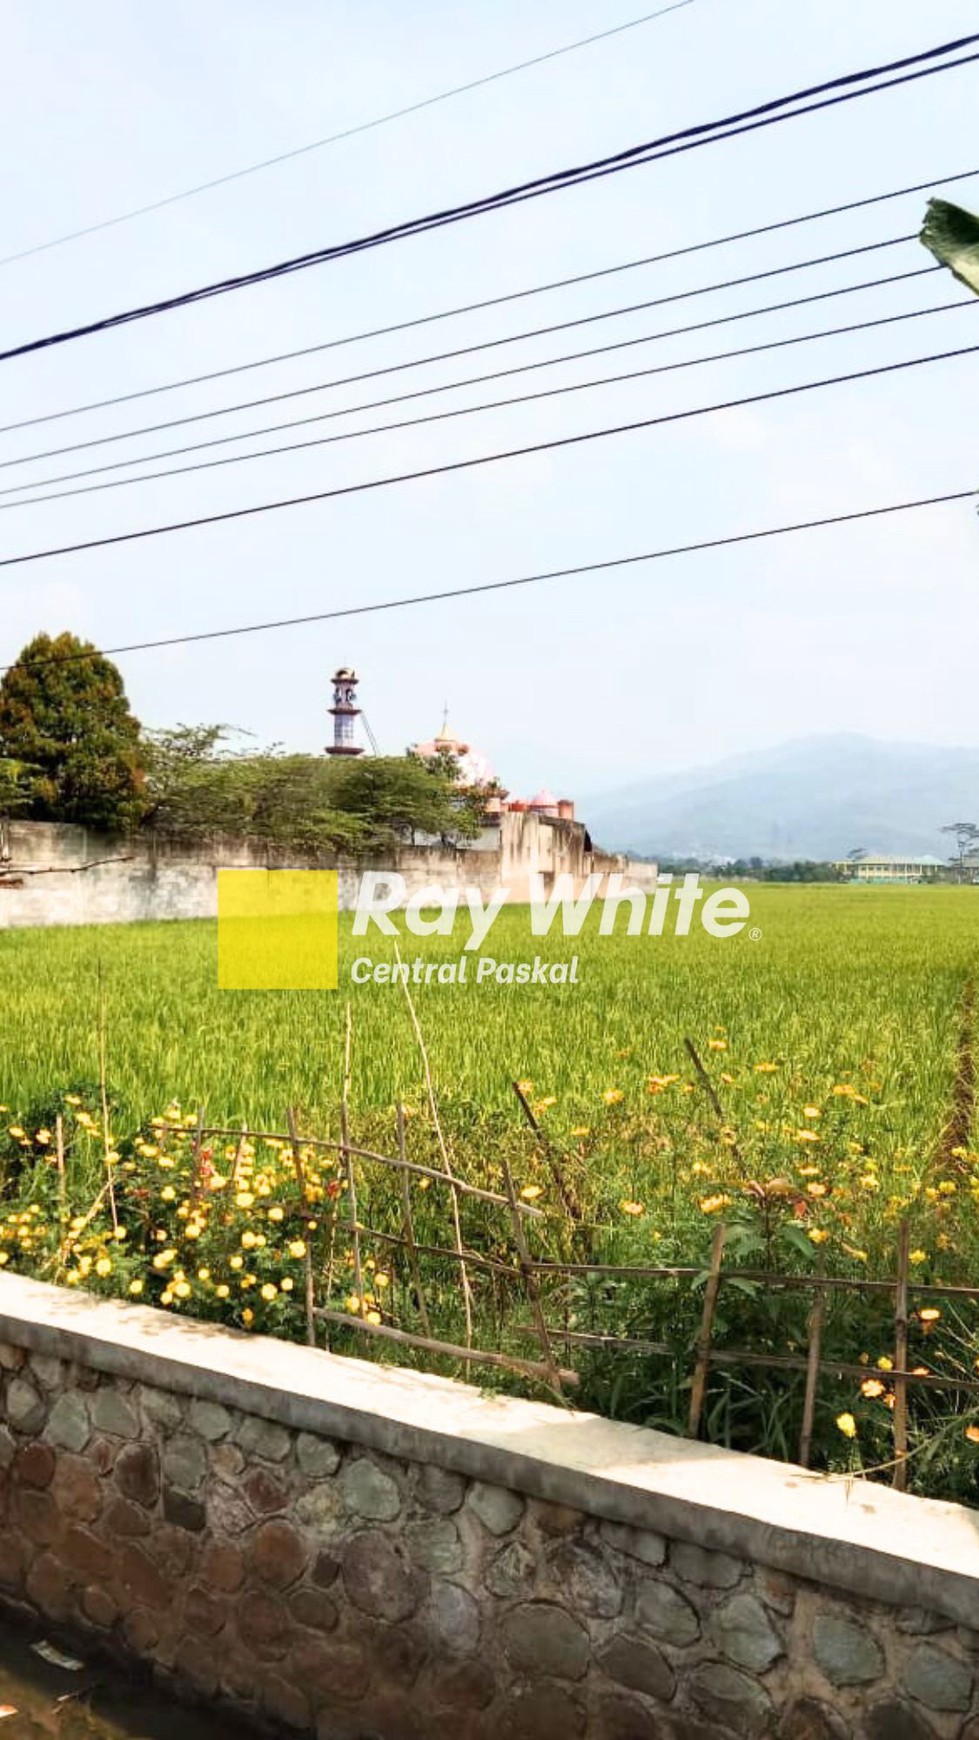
(277, 930)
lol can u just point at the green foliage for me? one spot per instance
(64, 714)
(196, 785)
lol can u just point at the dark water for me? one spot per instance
(96, 1703)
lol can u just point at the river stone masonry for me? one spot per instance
(320, 1584)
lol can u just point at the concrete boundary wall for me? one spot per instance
(45, 881)
(367, 1553)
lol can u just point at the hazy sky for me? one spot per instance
(580, 683)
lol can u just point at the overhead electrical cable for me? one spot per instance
(486, 302)
(442, 415)
(688, 138)
(459, 465)
(494, 375)
(346, 133)
(459, 351)
(481, 588)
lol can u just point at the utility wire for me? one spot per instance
(487, 302)
(500, 585)
(495, 375)
(457, 465)
(443, 415)
(478, 380)
(347, 133)
(459, 351)
(688, 138)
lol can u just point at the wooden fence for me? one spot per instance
(507, 1262)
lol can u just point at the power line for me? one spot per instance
(439, 416)
(456, 465)
(688, 138)
(503, 585)
(347, 133)
(458, 351)
(487, 302)
(471, 380)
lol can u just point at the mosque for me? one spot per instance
(475, 768)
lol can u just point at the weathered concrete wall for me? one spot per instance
(43, 882)
(371, 1554)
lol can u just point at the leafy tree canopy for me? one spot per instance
(65, 716)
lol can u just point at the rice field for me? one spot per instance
(834, 1099)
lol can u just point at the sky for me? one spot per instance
(582, 684)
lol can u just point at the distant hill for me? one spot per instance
(816, 797)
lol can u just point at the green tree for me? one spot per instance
(64, 713)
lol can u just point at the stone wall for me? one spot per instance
(44, 881)
(356, 1553)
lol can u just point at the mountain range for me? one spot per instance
(814, 797)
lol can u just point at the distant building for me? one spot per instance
(344, 712)
(886, 867)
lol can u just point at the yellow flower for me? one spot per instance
(297, 1248)
(711, 1204)
(182, 1289)
(806, 1136)
(580, 1130)
(382, 1280)
(44, 1136)
(847, 1425)
(717, 1044)
(972, 1433)
(236, 1262)
(544, 1104)
(16, 1131)
(929, 1314)
(612, 1096)
(871, 1387)
(530, 1192)
(244, 1199)
(286, 1284)
(135, 1287)
(766, 1068)
(223, 1290)
(268, 1291)
(818, 1235)
(632, 1208)
(816, 1188)
(524, 1086)
(918, 1257)
(104, 1266)
(811, 1112)
(248, 1317)
(352, 1303)
(885, 1363)
(168, 1193)
(249, 1241)
(373, 1317)
(275, 1212)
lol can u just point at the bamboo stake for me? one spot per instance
(59, 1150)
(348, 1162)
(449, 1174)
(409, 1226)
(242, 1138)
(196, 1182)
(297, 1161)
(448, 1349)
(571, 1205)
(706, 1325)
(530, 1281)
(816, 1317)
(103, 1092)
(901, 1359)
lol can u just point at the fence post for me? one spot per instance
(409, 1225)
(816, 1316)
(706, 1325)
(297, 1161)
(533, 1290)
(901, 1360)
